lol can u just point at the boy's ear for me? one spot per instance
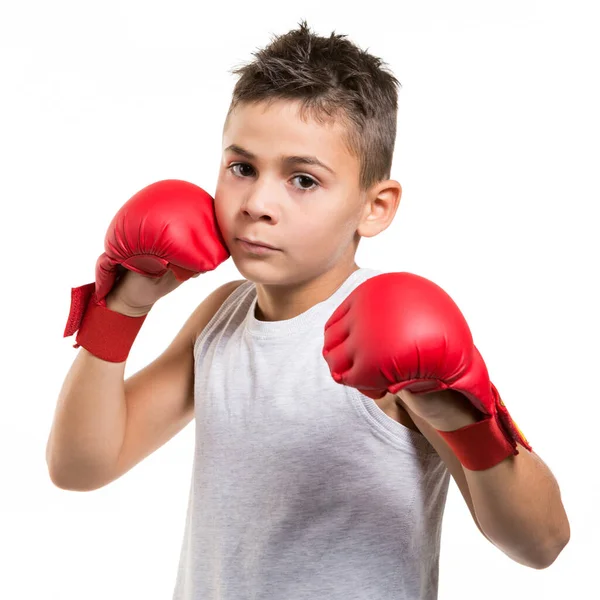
(380, 207)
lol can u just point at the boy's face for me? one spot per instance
(309, 212)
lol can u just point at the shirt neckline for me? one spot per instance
(303, 321)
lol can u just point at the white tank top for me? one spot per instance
(302, 488)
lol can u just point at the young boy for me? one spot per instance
(311, 480)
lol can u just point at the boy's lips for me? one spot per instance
(257, 243)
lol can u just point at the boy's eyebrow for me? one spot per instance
(286, 160)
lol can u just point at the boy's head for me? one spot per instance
(307, 151)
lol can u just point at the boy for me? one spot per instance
(310, 480)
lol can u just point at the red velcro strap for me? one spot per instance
(506, 421)
(480, 445)
(80, 298)
(104, 333)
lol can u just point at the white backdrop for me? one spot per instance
(498, 155)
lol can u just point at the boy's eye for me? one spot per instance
(311, 183)
(232, 167)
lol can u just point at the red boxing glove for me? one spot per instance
(169, 224)
(401, 331)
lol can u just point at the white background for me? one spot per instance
(498, 155)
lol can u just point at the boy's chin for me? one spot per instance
(263, 273)
(259, 271)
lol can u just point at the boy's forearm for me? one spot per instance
(517, 502)
(89, 424)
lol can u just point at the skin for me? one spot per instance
(314, 217)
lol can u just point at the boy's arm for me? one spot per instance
(103, 425)
(514, 503)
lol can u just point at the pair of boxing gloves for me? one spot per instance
(394, 331)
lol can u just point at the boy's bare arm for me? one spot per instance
(104, 425)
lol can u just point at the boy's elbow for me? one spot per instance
(551, 553)
(75, 481)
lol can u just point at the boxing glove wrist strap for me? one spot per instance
(480, 445)
(104, 333)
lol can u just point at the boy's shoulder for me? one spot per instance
(208, 308)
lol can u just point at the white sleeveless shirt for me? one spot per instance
(302, 488)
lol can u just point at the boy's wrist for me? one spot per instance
(114, 303)
(456, 417)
